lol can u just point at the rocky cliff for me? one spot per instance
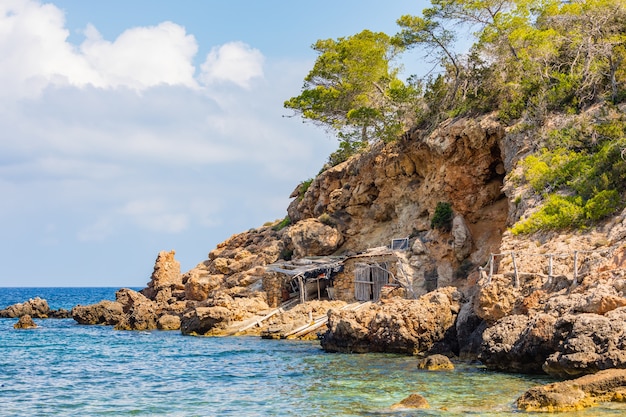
(550, 302)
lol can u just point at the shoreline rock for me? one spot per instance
(576, 394)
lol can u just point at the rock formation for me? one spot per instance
(576, 394)
(35, 307)
(396, 325)
(527, 311)
(25, 322)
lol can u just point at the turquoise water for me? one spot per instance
(63, 369)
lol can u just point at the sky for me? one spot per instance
(132, 127)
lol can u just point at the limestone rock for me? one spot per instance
(436, 363)
(204, 320)
(412, 401)
(495, 300)
(462, 238)
(588, 343)
(519, 343)
(397, 325)
(166, 275)
(25, 322)
(105, 312)
(576, 394)
(469, 331)
(35, 307)
(168, 322)
(311, 237)
(199, 285)
(139, 311)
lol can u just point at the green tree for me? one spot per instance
(354, 90)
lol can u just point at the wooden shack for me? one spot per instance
(306, 278)
(364, 276)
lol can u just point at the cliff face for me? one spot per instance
(392, 191)
(386, 193)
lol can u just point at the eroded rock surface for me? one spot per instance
(396, 325)
(576, 394)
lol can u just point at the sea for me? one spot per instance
(62, 368)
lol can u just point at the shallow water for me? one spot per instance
(65, 369)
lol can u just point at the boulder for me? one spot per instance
(519, 343)
(25, 322)
(462, 244)
(168, 322)
(588, 343)
(140, 313)
(469, 331)
(396, 325)
(435, 363)
(205, 320)
(199, 285)
(310, 237)
(412, 401)
(105, 312)
(576, 394)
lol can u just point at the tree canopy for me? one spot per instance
(529, 57)
(354, 90)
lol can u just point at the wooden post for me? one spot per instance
(302, 289)
(490, 268)
(575, 267)
(319, 296)
(515, 270)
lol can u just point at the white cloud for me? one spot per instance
(126, 153)
(141, 57)
(233, 62)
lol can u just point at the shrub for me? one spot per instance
(304, 186)
(282, 224)
(558, 212)
(442, 219)
(604, 203)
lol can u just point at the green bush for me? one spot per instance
(442, 218)
(557, 212)
(586, 164)
(304, 186)
(282, 224)
(604, 203)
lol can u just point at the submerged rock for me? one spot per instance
(412, 401)
(436, 363)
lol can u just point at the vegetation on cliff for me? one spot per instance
(531, 59)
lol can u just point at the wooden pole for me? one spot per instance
(302, 289)
(515, 270)
(319, 296)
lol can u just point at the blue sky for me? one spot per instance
(131, 127)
